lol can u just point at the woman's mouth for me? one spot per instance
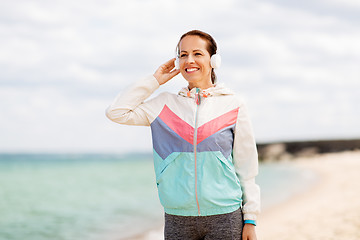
(190, 70)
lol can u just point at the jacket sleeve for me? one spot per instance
(129, 107)
(245, 159)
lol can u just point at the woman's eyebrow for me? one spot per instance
(195, 50)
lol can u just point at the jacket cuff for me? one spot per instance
(154, 82)
(250, 216)
(253, 222)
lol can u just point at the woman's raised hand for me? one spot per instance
(166, 72)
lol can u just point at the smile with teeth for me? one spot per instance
(190, 70)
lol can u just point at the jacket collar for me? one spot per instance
(215, 90)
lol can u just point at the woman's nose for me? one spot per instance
(190, 59)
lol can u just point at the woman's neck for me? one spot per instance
(201, 85)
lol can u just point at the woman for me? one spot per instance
(205, 156)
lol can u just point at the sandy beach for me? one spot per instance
(330, 209)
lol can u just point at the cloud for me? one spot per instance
(62, 63)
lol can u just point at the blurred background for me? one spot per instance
(63, 62)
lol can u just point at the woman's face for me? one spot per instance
(194, 61)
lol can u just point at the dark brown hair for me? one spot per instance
(211, 46)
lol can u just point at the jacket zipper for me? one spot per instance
(197, 100)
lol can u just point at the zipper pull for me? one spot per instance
(197, 96)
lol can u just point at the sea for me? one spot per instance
(102, 196)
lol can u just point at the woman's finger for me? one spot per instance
(170, 64)
(166, 71)
(174, 73)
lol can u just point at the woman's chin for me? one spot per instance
(192, 80)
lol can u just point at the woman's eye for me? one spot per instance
(182, 55)
(198, 54)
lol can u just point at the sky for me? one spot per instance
(63, 62)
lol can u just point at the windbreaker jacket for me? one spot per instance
(205, 156)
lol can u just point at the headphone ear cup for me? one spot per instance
(215, 61)
(177, 64)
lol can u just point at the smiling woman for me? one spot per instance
(194, 62)
(205, 156)
(196, 47)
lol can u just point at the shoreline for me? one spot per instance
(330, 209)
(317, 212)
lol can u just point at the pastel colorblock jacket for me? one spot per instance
(205, 156)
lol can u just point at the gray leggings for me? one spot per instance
(223, 226)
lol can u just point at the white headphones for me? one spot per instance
(215, 61)
(177, 64)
